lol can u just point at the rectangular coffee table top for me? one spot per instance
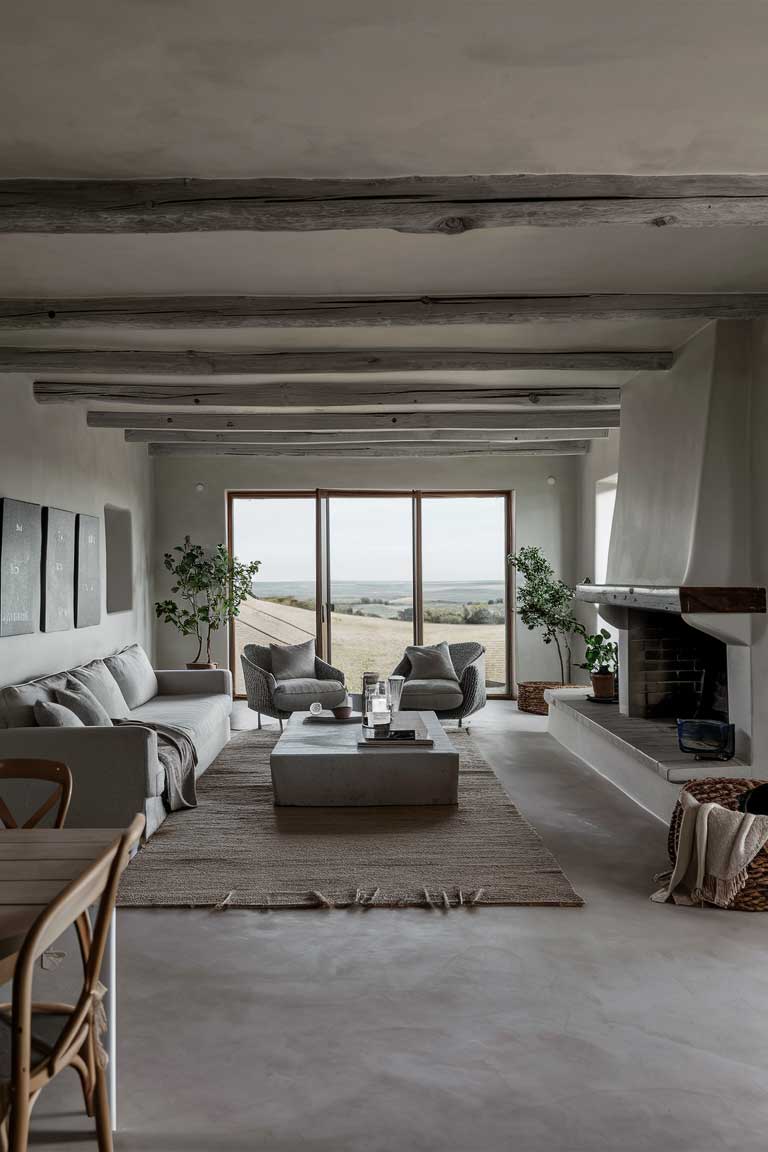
(310, 739)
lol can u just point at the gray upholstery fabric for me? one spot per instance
(297, 695)
(468, 658)
(293, 661)
(99, 680)
(17, 701)
(84, 704)
(134, 674)
(430, 695)
(204, 718)
(51, 715)
(431, 662)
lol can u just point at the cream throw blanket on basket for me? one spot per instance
(714, 850)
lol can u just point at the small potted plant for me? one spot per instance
(545, 602)
(210, 586)
(601, 661)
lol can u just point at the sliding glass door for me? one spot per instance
(371, 583)
(280, 532)
(368, 573)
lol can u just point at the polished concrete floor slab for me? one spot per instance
(622, 1025)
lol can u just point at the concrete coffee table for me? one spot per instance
(319, 765)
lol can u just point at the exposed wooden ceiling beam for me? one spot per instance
(210, 312)
(340, 422)
(445, 204)
(363, 436)
(553, 448)
(367, 391)
(270, 363)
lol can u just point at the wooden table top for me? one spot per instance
(35, 865)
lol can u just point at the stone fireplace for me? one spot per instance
(671, 670)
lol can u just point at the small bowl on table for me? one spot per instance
(342, 711)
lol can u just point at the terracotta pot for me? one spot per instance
(603, 685)
(200, 667)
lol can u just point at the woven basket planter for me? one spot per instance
(530, 695)
(716, 790)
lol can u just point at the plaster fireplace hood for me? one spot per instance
(680, 541)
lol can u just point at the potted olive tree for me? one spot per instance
(546, 602)
(601, 661)
(210, 585)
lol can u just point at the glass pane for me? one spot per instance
(371, 587)
(464, 576)
(280, 532)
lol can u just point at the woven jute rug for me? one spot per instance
(236, 849)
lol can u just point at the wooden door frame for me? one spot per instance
(322, 497)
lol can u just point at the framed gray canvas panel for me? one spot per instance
(20, 543)
(57, 607)
(87, 572)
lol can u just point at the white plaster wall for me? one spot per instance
(49, 456)
(546, 514)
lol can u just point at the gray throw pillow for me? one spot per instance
(293, 661)
(99, 680)
(134, 674)
(84, 704)
(50, 715)
(431, 662)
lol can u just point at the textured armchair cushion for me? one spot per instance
(51, 715)
(84, 704)
(293, 661)
(134, 674)
(430, 695)
(431, 662)
(297, 695)
(99, 680)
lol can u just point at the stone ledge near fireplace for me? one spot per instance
(639, 756)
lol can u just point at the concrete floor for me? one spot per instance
(622, 1025)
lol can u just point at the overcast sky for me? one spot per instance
(463, 538)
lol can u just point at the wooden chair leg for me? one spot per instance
(88, 1078)
(19, 1128)
(103, 1122)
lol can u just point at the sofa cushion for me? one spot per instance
(431, 662)
(99, 680)
(84, 704)
(293, 661)
(134, 674)
(431, 695)
(297, 695)
(202, 717)
(51, 715)
(17, 701)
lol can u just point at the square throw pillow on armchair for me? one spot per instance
(431, 662)
(293, 661)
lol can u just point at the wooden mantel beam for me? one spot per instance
(211, 312)
(491, 419)
(311, 394)
(271, 363)
(444, 204)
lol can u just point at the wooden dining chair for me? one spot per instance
(38, 1040)
(53, 771)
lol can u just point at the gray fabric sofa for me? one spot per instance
(115, 770)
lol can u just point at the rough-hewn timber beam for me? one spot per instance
(314, 395)
(491, 419)
(363, 436)
(445, 204)
(554, 448)
(270, 363)
(209, 312)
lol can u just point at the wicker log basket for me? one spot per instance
(530, 695)
(716, 790)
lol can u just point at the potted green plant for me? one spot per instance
(601, 660)
(546, 602)
(210, 586)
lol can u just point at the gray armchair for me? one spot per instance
(279, 698)
(448, 700)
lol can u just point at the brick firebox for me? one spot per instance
(671, 669)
